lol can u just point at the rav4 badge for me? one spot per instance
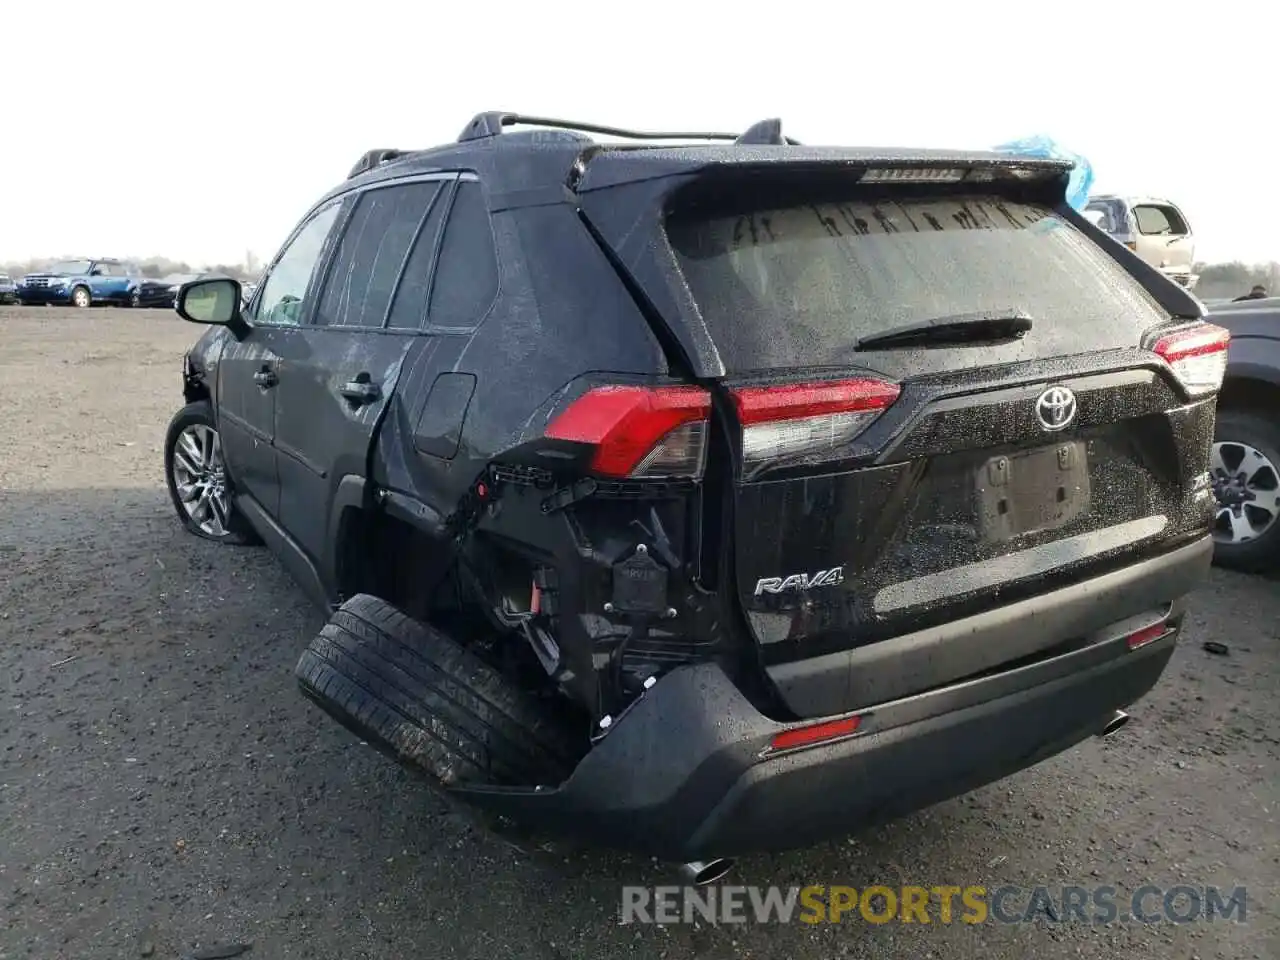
(800, 581)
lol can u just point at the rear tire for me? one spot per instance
(425, 700)
(1246, 446)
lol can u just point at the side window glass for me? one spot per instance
(369, 256)
(281, 300)
(1177, 224)
(409, 309)
(466, 278)
(1152, 220)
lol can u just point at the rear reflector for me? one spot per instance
(818, 733)
(808, 419)
(639, 431)
(1146, 635)
(1197, 356)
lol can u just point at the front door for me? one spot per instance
(337, 379)
(249, 371)
(106, 281)
(1164, 237)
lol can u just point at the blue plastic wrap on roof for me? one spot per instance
(1041, 146)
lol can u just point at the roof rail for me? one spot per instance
(371, 159)
(491, 124)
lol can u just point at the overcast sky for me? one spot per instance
(202, 130)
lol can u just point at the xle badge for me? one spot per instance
(800, 581)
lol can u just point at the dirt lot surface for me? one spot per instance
(164, 789)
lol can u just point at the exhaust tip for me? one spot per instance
(1118, 720)
(702, 872)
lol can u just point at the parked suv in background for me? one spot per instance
(1154, 229)
(81, 283)
(1245, 461)
(715, 497)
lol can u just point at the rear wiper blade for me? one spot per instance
(984, 327)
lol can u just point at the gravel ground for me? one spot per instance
(163, 788)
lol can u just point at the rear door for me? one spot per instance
(883, 488)
(338, 376)
(1164, 237)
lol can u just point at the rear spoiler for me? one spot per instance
(603, 166)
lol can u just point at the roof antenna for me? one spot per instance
(766, 131)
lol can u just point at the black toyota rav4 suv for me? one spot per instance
(713, 497)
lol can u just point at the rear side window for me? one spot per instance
(798, 286)
(362, 276)
(1155, 219)
(409, 309)
(1106, 216)
(466, 280)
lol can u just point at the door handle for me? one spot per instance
(360, 390)
(266, 378)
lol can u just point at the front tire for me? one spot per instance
(197, 478)
(1245, 470)
(81, 298)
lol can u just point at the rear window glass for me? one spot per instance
(800, 285)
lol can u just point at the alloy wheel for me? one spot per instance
(1247, 485)
(200, 479)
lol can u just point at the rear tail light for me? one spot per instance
(651, 432)
(807, 420)
(1197, 356)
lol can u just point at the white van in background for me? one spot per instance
(1154, 229)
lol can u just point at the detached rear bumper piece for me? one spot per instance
(687, 773)
(162, 298)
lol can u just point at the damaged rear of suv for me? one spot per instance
(732, 495)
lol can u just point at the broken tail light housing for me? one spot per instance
(653, 432)
(1197, 356)
(639, 431)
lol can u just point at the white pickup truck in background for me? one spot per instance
(1155, 229)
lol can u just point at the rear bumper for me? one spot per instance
(686, 774)
(898, 667)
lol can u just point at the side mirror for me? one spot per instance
(95, 272)
(215, 301)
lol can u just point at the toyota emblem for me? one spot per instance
(1056, 408)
